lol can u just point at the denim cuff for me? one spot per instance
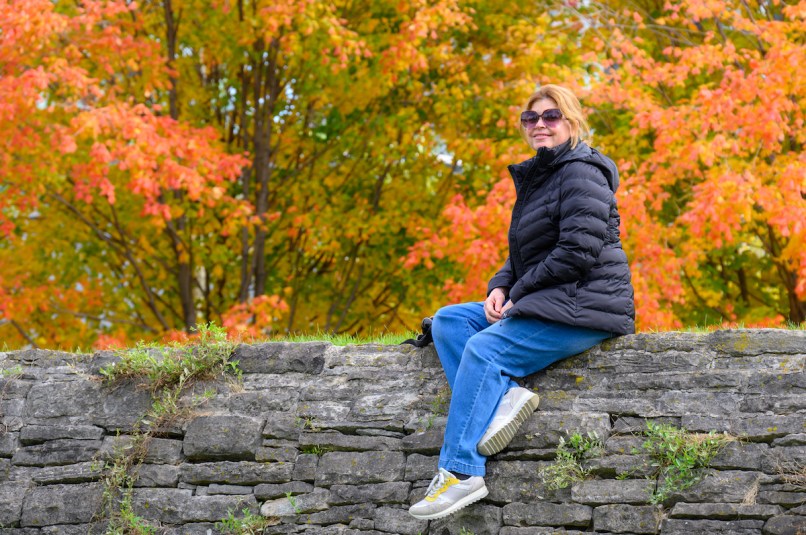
(463, 468)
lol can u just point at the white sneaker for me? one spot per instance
(446, 495)
(515, 407)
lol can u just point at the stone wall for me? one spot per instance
(327, 439)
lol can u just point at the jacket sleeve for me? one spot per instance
(584, 211)
(502, 279)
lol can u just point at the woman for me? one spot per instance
(564, 288)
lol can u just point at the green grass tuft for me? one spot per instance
(347, 339)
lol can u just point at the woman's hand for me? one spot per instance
(494, 305)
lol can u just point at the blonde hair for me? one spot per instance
(570, 107)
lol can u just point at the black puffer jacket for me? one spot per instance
(565, 260)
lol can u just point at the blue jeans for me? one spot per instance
(480, 360)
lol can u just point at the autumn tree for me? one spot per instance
(313, 93)
(703, 104)
(88, 159)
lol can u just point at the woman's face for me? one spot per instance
(541, 135)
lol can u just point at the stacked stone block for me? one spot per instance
(325, 439)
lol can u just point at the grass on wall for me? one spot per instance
(347, 339)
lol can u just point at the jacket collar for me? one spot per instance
(547, 158)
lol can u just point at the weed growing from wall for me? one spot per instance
(177, 365)
(306, 423)
(11, 373)
(245, 524)
(441, 401)
(439, 407)
(680, 457)
(118, 477)
(315, 449)
(167, 372)
(293, 501)
(793, 473)
(567, 467)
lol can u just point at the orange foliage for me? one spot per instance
(76, 138)
(715, 179)
(255, 318)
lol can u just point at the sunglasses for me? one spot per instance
(551, 118)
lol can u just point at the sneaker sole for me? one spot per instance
(504, 436)
(461, 504)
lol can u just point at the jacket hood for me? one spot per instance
(562, 154)
(606, 165)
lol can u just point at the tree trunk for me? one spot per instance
(267, 92)
(176, 228)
